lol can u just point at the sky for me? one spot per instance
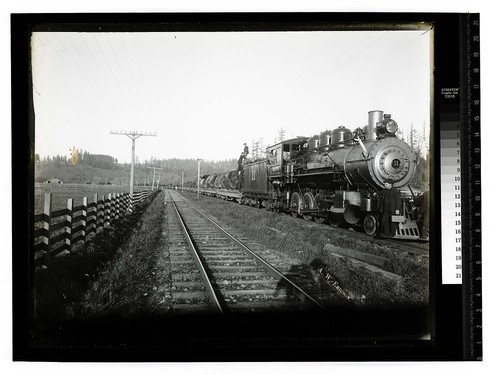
(205, 94)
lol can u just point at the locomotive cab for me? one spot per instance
(282, 152)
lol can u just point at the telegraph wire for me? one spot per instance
(322, 74)
(141, 74)
(77, 64)
(112, 74)
(145, 104)
(115, 103)
(77, 72)
(54, 58)
(135, 88)
(64, 67)
(38, 37)
(132, 102)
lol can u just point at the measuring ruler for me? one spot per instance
(461, 186)
(471, 201)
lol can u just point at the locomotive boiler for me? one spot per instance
(369, 157)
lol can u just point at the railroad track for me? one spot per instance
(214, 271)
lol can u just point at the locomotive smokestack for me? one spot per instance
(373, 118)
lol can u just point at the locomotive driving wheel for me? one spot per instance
(318, 219)
(309, 203)
(371, 224)
(295, 203)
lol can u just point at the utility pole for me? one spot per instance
(281, 135)
(199, 160)
(182, 181)
(154, 174)
(255, 147)
(158, 184)
(133, 135)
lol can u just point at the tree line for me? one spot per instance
(84, 158)
(105, 169)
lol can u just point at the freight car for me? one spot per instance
(337, 176)
(222, 185)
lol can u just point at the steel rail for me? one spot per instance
(268, 266)
(210, 290)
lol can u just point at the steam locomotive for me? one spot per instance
(335, 176)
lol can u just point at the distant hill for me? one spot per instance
(104, 169)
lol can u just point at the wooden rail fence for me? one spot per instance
(56, 232)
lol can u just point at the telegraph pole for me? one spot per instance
(158, 184)
(182, 181)
(199, 160)
(154, 174)
(133, 135)
(281, 135)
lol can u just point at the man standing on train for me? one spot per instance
(240, 162)
(245, 150)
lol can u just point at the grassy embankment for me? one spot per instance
(135, 284)
(305, 241)
(62, 291)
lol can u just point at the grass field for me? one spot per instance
(62, 192)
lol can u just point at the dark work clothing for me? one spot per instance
(425, 215)
(240, 180)
(240, 162)
(245, 151)
(390, 201)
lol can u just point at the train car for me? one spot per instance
(256, 189)
(230, 180)
(220, 185)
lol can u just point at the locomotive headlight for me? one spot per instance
(391, 126)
